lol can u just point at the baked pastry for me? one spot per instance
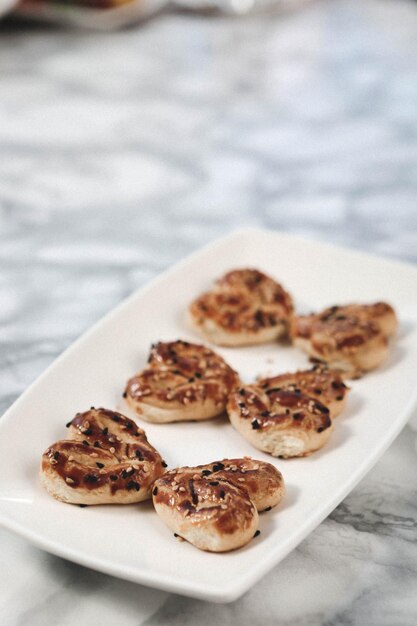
(107, 459)
(352, 339)
(319, 383)
(286, 423)
(381, 313)
(182, 381)
(215, 506)
(244, 307)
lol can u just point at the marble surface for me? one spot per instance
(119, 154)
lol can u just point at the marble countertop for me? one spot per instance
(122, 152)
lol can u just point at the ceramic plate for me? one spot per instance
(130, 541)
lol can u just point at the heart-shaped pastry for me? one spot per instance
(183, 381)
(106, 459)
(319, 383)
(351, 339)
(283, 422)
(381, 313)
(215, 506)
(244, 307)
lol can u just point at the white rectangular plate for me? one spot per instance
(131, 542)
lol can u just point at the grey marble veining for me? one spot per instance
(121, 153)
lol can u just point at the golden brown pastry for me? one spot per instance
(285, 423)
(352, 339)
(244, 307)
(182, 381)
(381, 313)
(215, 506)
(319, 383)
(107, 459)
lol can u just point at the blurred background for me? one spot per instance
(122, 151)
(150, 129)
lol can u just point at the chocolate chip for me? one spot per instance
(90, 478)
